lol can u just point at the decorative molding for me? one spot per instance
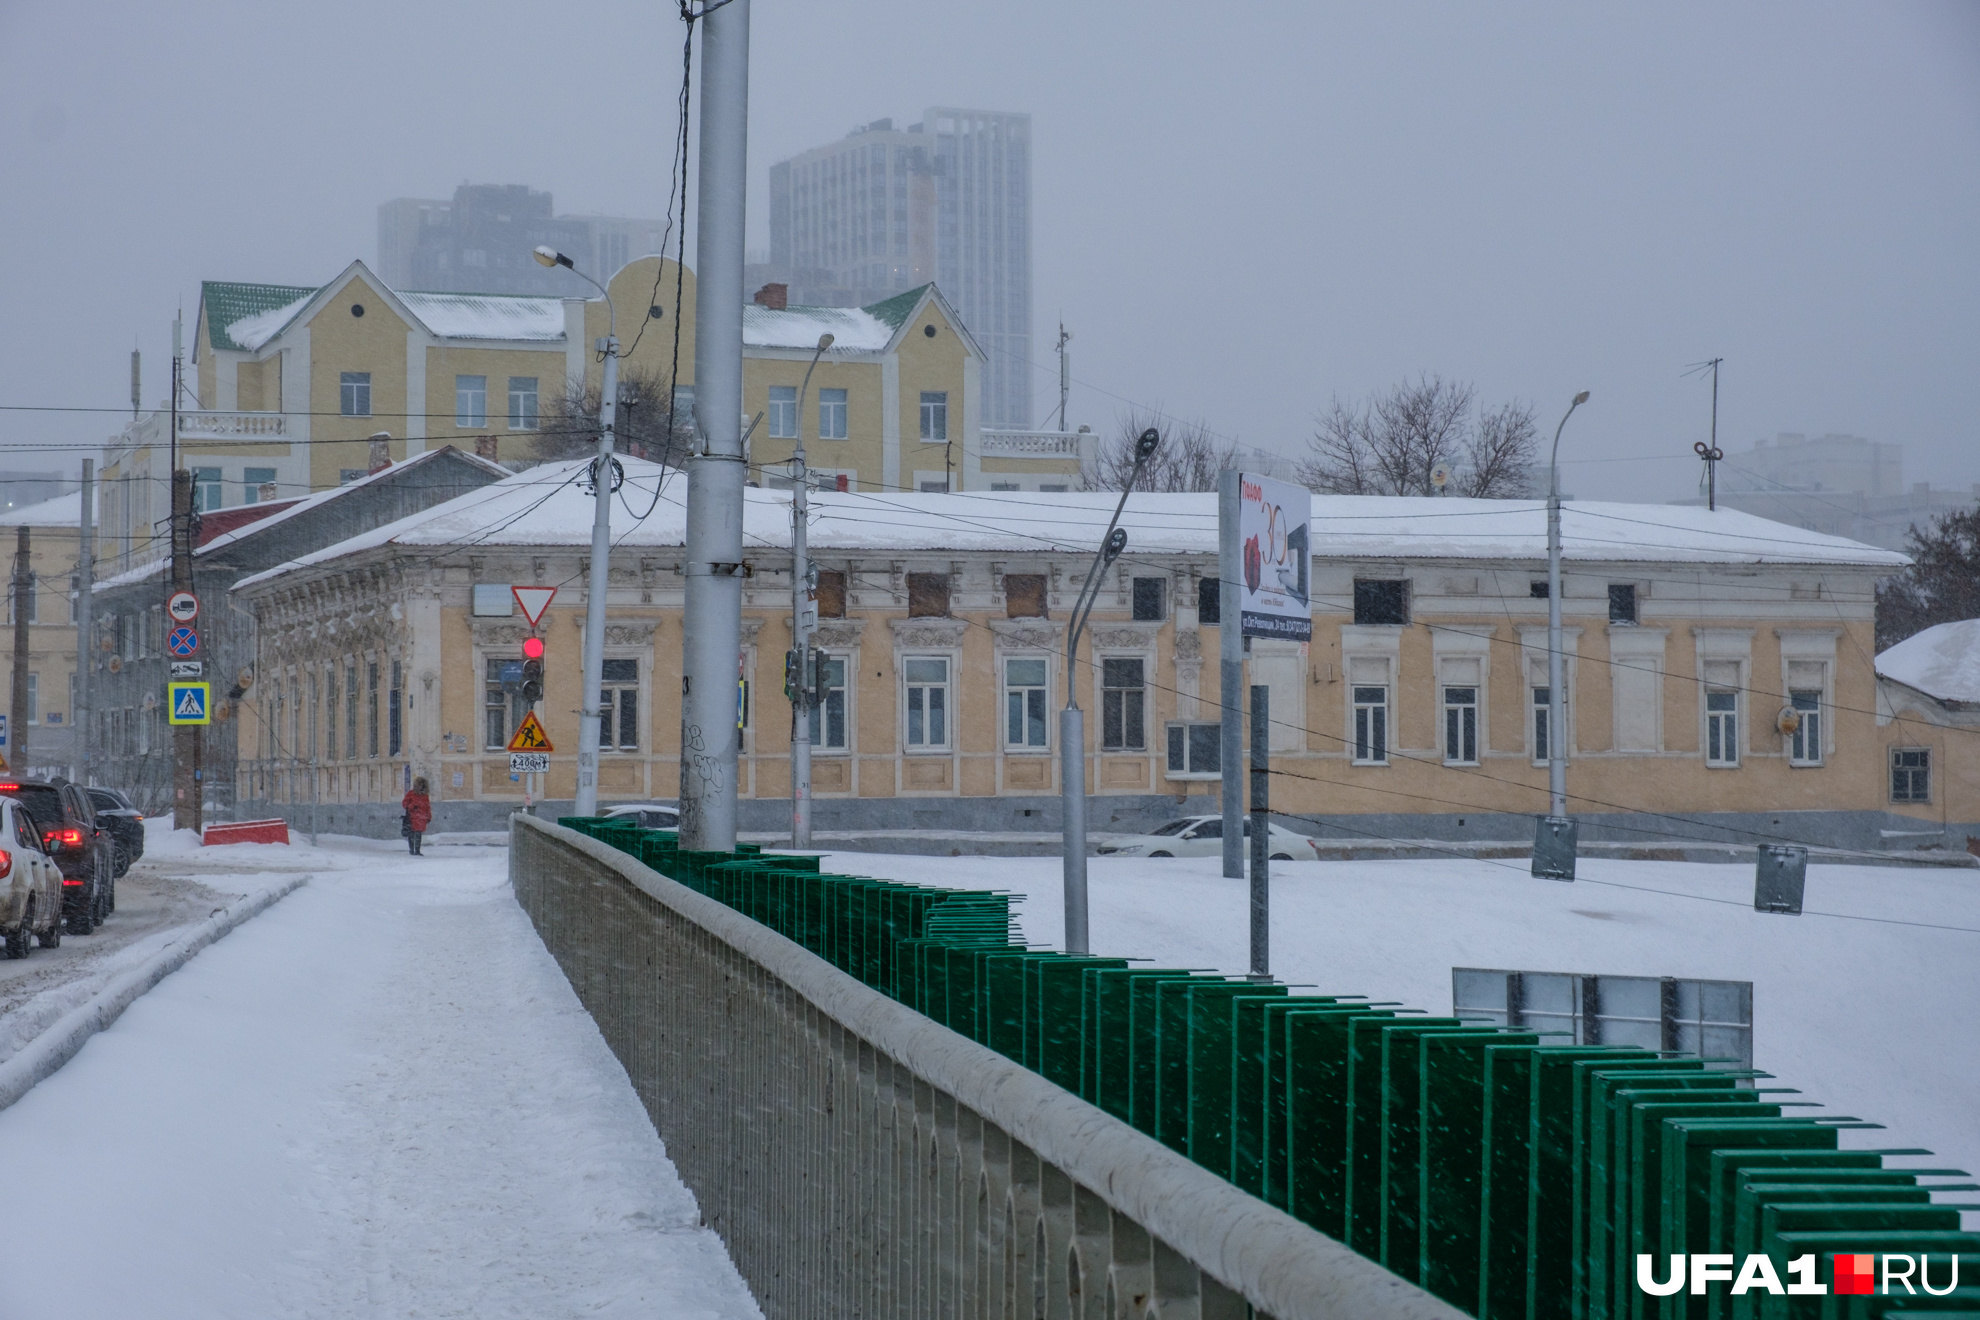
(750, 628)
(638, 633)
(1189, 646)
(1034, 634)
(840, 634)
(928, 632)
(491, 633)
(1126, 638)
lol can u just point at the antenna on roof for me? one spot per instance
(1709, 450)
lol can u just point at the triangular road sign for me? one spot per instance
(534, 600)
(530, 736)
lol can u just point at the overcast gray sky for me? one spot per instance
(1240, 210)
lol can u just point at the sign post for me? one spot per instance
(1264, 564)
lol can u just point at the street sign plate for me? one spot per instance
(183, 606)
(182, 642)
(530, 736)
(189, 703)
(533, 601)
(188, 669)
(529, 763)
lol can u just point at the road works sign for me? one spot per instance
(189, 703)
(532, 601)
(530, 736)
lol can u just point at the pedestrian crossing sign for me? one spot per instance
(189, 703)
(530, 736)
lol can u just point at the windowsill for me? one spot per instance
(1472, 764)
(1027, 751)
(928, 751)
(1722, 765)
(1806, 765)
(1373, 765)
(1197, 776)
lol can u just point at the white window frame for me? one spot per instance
(1185, 727)
(934, 417)
(908, 699)
(1805, 744)
(354, 393)
(209, 489)
(1538, 713)
(834, 405)
(1891, 768)
(1460, 724)
(525, 404)
(610, 711)
(1100, 666)
(1025, 693)
(1371, 727)
(1722, 727)
(844, 690)
(781, 414)
(471, 401)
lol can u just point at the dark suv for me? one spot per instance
(81, 847)
(125, 822)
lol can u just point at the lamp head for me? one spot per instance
(1116, 542)
(1581, 398)
(824, 342)
(1146, 444)
(549, 256)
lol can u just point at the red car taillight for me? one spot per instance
(62, 839)
(6, 865)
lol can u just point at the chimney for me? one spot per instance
(484, 447)
(774, 296)
(381, 452)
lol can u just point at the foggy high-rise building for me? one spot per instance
(480, 242)
(948, 200)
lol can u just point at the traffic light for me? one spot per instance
(532, 670)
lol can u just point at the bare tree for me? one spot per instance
(569, 426)
(1941, 585)
(1189, 459)
(1391, 444)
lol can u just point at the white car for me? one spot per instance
(1203, 836)
(647, 815)
(30, 884)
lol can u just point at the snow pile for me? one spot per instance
(1942, 662)
(1852, 1012)
(488, 316)
(251, 332)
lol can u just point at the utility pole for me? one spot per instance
(1709, 450)
(21, 594)
(1230, 668)
(85, 618)
(598, 585)
(1261, 832)
(1554, 839)
(1065, 374)
(711, 647)
(187, 790)
(804, 614)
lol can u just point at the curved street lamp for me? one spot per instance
(1554, 837)
(1072, 720)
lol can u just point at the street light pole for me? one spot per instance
(1072, 720)
(601, 548)
(799, 667)
(1556, 836)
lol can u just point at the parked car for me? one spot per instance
(125, 822)
(81, 847)
(30, 884)
(1203, 836)
(652, 815)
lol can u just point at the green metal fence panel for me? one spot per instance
(1210, 1075)
(1318, 1053)
(1450, 1168)
(1370, 1125)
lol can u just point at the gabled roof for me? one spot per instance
(228, 304)
(64, 511)
(390, 472)
(489, 315)
(874, 328)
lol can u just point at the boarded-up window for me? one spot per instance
(1024, 595)
(928, 595)
(1637, 702)
(831, 595)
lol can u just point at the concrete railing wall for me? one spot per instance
(860, 1159)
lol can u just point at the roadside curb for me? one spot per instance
(54, 1047)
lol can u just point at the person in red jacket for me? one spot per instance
(418, 808)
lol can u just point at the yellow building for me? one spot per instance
(1928, 711)
(301, 388)
(1418, 710)
(54, 537)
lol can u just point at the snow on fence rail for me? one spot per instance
(860, 1158)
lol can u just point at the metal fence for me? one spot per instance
(860, 1158)
(890, 1105)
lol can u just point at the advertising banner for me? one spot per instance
(1273, 598)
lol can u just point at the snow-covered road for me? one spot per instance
(379, 1098)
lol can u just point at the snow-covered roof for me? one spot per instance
(251, 332)
(62, 511)
(488, 315)
(1942, 662)
(547, 506)
(853, 329)
(322, 497)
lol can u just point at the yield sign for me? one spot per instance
(530, 736)
(534, 600)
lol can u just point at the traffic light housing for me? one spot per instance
(532, 670)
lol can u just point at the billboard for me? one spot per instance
(1273, 599)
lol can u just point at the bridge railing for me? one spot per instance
(861, 1159)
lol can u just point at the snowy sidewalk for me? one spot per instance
(379, 1098)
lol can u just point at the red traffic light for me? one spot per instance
(533, 648)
